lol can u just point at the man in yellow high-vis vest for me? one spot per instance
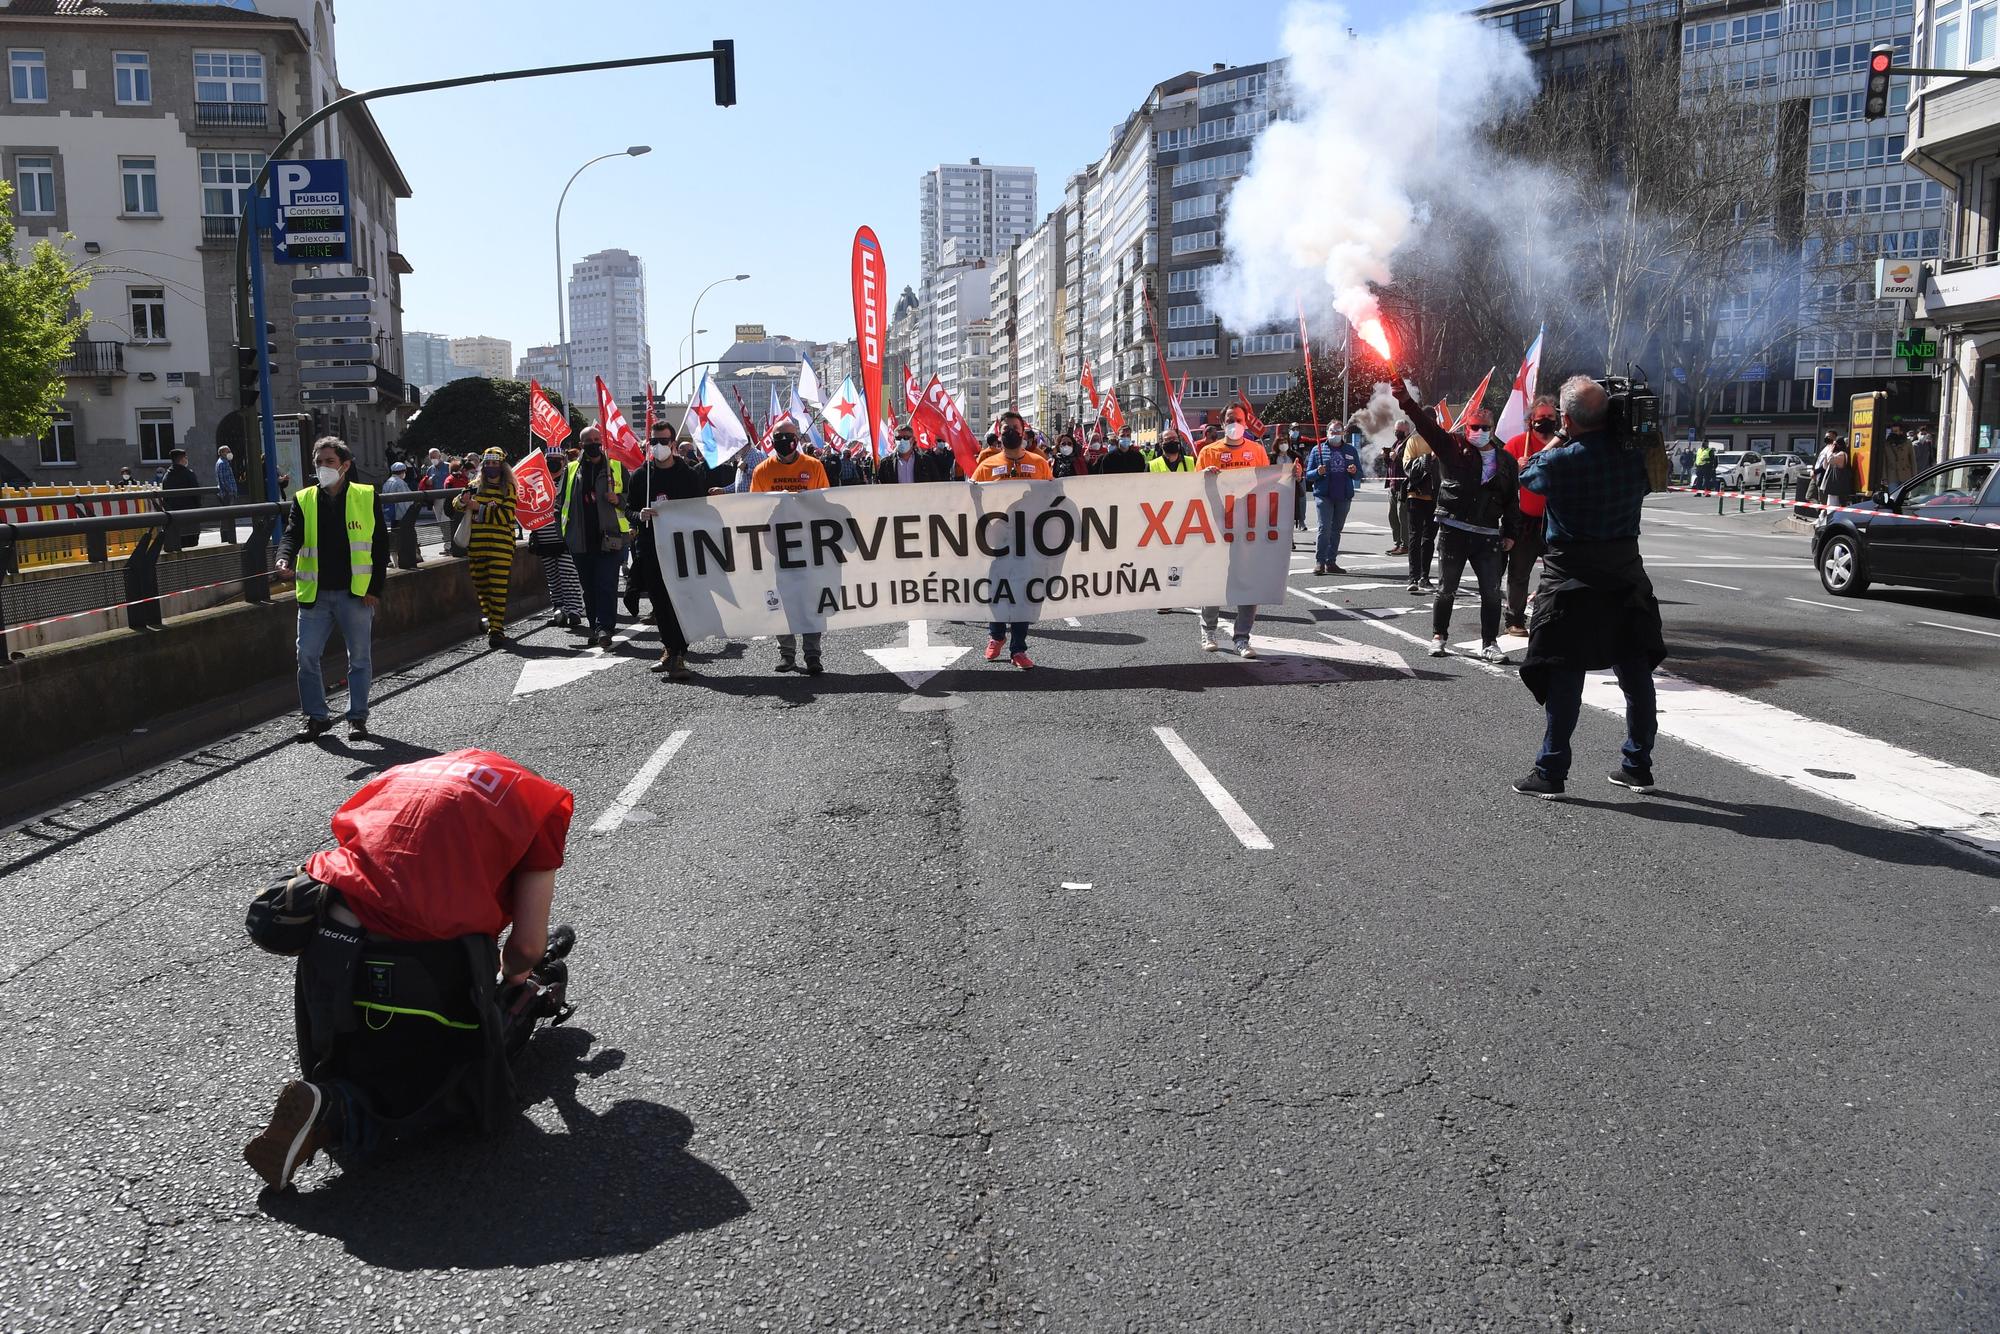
(336, 550)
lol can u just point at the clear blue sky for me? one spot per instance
(774, 186)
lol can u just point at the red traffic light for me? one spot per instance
(1879, 62)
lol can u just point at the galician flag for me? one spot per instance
(1514, 417)
(847, 414)
(778, 414)
(714, 425)
(809, 384)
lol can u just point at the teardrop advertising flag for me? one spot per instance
(871, 322)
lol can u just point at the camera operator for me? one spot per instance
(1595, 606)
(1478, 510)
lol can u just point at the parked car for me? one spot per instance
(1939, 530)
(1739, 472)
(1785, 469)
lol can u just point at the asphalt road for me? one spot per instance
(965, 1007)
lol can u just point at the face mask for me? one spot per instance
(328, 476)
(1010, 439)
(663, 453)
(786, 447)
(904, 446)
(489, 470)
(1234, 431)
(1068, 450)
(593, 448)
(1295, 435)
(1480, 438)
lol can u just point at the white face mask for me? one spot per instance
(1234, 430)
(904, 446)
(1068, 450)
(1480, 438)
(662, 453)
(328, 476)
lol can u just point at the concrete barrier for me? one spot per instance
(88, 710)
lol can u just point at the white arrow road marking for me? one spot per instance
(549, 673)
(1337, 650)
(916, 662)
(614, 815)
(1239, 821)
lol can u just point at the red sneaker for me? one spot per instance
(994, 648)
(1022, 661)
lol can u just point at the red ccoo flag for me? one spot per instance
(871, 322)
(543, 419)
(619, 442)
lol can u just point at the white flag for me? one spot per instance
(809, 384)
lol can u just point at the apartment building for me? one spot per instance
(607, 326)
(481, 355)
(977, 209)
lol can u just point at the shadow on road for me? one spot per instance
(1210, 672)
(615, 1182)
(1795, 824)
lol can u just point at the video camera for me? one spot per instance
(1634, 422)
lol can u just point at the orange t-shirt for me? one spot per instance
(995, 468)
(803, 473)
(1222, 454)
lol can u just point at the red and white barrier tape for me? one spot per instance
(1783, 503)
(78, 507)
(135, 602)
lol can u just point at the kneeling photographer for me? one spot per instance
(406, 1006)
(1595, 606)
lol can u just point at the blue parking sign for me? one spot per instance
(309, 204)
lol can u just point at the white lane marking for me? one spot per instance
(1802, 566)
(1239, 821)
(918, 661)
(920, 634)
(1705, 584)
(1962, 629)
(1072, 622)
(1076, 884)
(614, 815)
(1889, 782)
(1396, 630)
(1830, 606)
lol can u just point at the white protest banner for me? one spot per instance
(777, 563)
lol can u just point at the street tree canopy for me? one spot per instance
(39, 322)
(474, 414)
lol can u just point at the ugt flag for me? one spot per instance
(619, 442)
(714, 424)
(847, 414)
(535, 491)
(543, 419)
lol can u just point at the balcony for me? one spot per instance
(234, 115)
(93, 358)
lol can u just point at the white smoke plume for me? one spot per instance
(1329, 197)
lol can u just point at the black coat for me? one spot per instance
(1593, 609)
(1123, 460)
(180, 477)
(928, 468)
(1462, 492)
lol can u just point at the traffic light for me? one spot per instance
(1876, 104)
(725, 72)
(246, 377)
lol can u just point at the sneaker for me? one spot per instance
(1638, 780)
(1319, 569)
(1208, 644)
(1437, 646)
(1493, 653)
(1429, 586)
(994, 647)
(494, 639)
(813, 667)
(1414, 588)
(603, 639)
(1243, 649)
(1335, 568)
(306, 1120)
(357, 729)
(312, 729)
(1538, 785)
(1022, 660)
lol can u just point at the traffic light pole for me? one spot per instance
(722, 53)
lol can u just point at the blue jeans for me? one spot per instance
(598, 572)
(1332, 518)
(356, 619)
(1014, 632)
(1565, 702)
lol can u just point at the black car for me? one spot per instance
(1939, 530)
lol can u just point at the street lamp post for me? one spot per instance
(697, 306)
(683, 346)
(562, 304)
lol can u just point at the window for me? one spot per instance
(1848, 57)
(1189, 317)
(59, 445)
(1211, 168)
(142, 186)
(1263, 386)
(228, 76)
(225, 182)
(1206, 386)
(156, 434)
(1194, 241)
(1257, 343)
(149, 314)
(1947, 28)
(27, 75)
(1201, 206)
(1194, 347)
(1729, 32)
(1829, 13)
(35, 185)
(1876, 151)
(1192, 280)
(1241, 88)
(132, 77)
(1957, 487)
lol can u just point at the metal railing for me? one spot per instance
(233, 115)
(93, 357)
(141, 592)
